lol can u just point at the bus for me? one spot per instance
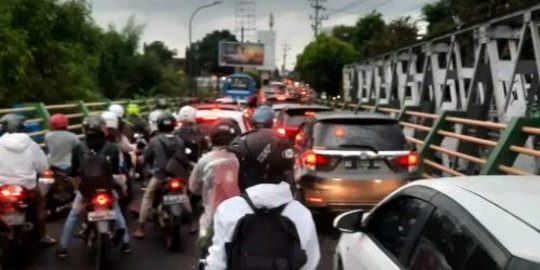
(239, 86)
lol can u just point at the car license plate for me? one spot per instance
(14, 219)
(174, 199)
(101, 215)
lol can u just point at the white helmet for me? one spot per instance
(111, 119)
(187, 114)
(117, 109)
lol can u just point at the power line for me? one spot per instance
(318, 17)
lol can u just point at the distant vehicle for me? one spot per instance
(291, 117)
(347, 160)
(278, 107)
(468, 223)
(207, 115)
(239, 86)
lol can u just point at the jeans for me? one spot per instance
(148, 198)
(78, 207)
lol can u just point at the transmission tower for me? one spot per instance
(245, 21)
(318, 17)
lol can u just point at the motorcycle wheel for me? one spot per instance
(102, 244)
(174, 238)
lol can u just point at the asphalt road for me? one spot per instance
(151, 252)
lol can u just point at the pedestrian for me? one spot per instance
(264, 228)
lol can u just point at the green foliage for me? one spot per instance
(52, 51)
(398, 33)
(344, 33)
(367, 28)
(321, 63)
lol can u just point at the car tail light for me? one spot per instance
(176, 185)
(310, 113)
(313, 159)
(314, 200)
(102, 200)
(282, 131)
(411, 159)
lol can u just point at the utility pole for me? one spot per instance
(318, 17)
(286, 50)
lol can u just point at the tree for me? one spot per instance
(161, 50)
(398, 33)
(439, 16)
(367, 28)
(344, 33)
(321, 62)
(204, 54)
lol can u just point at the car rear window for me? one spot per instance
(296, 117)
(381, 135)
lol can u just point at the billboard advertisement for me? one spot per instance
(236, 54)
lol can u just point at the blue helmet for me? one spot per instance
(263, 117)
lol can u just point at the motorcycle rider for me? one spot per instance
(162, 105)
(60, 142)
(196, 142)
(215, 177)
(22, 160)
(157, 154)
(124, 127)
(268, 153)
(263, 117)
(95, 131)
(133, 113)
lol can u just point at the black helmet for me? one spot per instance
(263, 117)
(94, 126)
(162, 103)
(265, 156)
(12, 123)
(224, 131)
(166, 122)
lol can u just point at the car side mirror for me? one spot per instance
(349, 222)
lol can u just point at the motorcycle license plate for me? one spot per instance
(102, 215)
(174, 199)
(14, 219)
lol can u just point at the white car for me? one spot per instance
(467, 223)
(206, 118)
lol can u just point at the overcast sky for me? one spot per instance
(168, 20)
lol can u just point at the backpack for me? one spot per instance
(177, 165)
(265, 240)
(193, 139)
(96, 172)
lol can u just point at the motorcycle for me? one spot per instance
(58, 189)
(172, 204)
(21, 223)
(101, 234)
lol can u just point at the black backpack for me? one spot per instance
(177, 164)
(96, 172)
(265, 240)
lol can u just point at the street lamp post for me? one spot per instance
(190, 40)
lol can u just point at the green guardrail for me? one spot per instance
(431, 130)
(37, 114)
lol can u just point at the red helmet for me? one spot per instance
(58, 121)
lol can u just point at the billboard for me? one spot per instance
(236, 54)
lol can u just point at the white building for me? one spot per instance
(268, 38)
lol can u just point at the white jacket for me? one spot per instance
(21, 160)
(263, 195)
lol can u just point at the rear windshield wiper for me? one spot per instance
(352, 145)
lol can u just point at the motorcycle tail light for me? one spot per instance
(102, 200)
(47, 173)
(176, 185)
